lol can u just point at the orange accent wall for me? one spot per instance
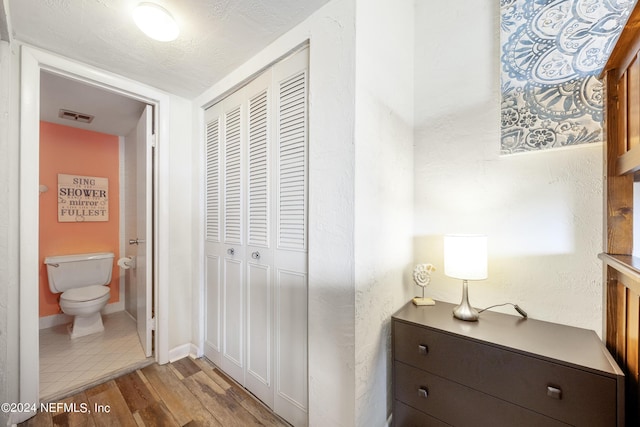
(74, 151)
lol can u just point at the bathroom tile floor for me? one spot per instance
(67, 365)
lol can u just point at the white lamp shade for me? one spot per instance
(465, 256)
(156, 22)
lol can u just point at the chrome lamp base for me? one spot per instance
(464, 311)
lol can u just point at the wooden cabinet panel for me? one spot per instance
(622, 162)
(633, 104)
(622, 145)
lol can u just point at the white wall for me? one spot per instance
(5, 69)
(331, 202)
(181, 218)
(383, 193)
(8, 230)
(542, 211)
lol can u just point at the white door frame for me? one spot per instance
(32, 62)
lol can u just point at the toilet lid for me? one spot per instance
(87, 293)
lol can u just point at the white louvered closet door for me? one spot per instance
(260, 249)
(290, 88)
(256, 237)
(225, 261)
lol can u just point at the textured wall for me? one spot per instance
(383, 193)
(542, 211)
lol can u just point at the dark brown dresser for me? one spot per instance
(500, 371)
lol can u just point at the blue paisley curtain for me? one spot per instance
(552, 53)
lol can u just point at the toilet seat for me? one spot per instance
(88, 293)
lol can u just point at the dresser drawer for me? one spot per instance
(456, 404)
(406, 416)
(564, 393)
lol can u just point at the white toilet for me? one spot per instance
(81, 279)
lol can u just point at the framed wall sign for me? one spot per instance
(83, 198)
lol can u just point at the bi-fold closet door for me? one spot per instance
(256, 236)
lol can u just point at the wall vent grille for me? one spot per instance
(75, 116)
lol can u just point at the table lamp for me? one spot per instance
(465, 258)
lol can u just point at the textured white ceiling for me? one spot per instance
(216, 36)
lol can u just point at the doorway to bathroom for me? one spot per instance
(93, 134)
(32, 62)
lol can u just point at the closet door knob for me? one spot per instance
(231, 251)
(255, 255)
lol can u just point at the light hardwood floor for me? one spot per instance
(183, 393)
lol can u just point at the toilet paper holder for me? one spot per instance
(127, 262)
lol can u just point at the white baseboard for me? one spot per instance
(179, 352)
(61, 318)
(196, 352)
(54, 320)
(16, 418)
(114, 307)
(183, 351)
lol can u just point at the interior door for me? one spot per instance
(144, 239)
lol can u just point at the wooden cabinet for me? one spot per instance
(622, 184)
(501, 371)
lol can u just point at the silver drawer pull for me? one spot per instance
(423, 349)
(423, 392)
(554, 392)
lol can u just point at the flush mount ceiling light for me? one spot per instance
(156, 22)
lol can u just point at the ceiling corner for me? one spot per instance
(5, 24)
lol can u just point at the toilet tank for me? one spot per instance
(80, 270)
